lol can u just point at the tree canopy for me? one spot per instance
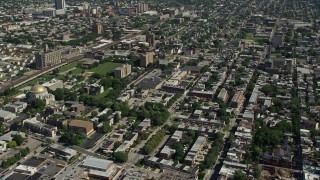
(71, 138)
(157, 112)
(269, 90)
(154, 141)
(64, 94)
(18, 139)
(239, 175)
(12, 144)
(120, 157)
(12, 160)
(271, 136)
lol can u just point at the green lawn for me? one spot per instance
(69, 66)
(276, 55)
(102, 69)
(76, 71)
(144, 27)
(105, 68)
(39, 80)
(101, 95)
(251, 37)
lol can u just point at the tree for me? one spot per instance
(94, 113)
(257, 153)
(12, 144)
(116, 145)
(154, 141)
(96, 76)
(214, 152)
(106, 128)
(192, 133)
(38, 104)
(117, 34)
(239, 175)
(103, 117)
(266, 136)
(106, 34)
(204, 69)
(257, 171)
(59, 94)
(283, 126)
(16, 126)
(55, 71)
(269, 90)
(116, 118)
(12, 160)
(157, 112)
(120, 157)
(21, 73)
(179, 151)
(71, 138)
(173, 128)
(18, 139)
(278, 104)
(2, 128)
(106, 82)
(144, 135)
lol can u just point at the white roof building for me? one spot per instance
(96, 164)
(6, 115)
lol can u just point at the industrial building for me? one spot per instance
(47, 58)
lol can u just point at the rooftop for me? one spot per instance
(16, 176)
(96, 163)
(4, 113)
(80, 123)
(34, 161)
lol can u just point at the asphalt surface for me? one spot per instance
(91, 142)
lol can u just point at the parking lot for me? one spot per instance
(91, 141)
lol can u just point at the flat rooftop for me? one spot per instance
(96, 163)
(16, 176)
(34, 161)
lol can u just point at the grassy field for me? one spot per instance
(105, 68)
(276, 55)
(101, 95)
(39, 80)
(76, 71)
(69, 66)
(251, 37)
(102, 69)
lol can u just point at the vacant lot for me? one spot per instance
(105, 68)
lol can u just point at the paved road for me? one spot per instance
(136, 155)
(89, 153)
(11, 168)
